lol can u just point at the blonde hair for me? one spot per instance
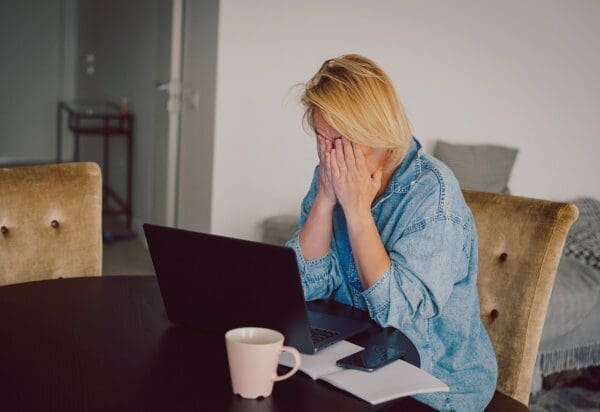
(358, 99)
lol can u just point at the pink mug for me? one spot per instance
(253, 354)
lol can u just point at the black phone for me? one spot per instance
(371, 358)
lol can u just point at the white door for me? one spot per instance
(168, 113)
(197, 115)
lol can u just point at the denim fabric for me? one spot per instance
(430, 290)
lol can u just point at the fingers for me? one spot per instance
(361, 160)
(338, 153)
(328, 145)
(324, 145)
(320, 148)
(348, 154)
(328, 166)
(333, 165)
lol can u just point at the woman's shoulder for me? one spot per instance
(437, 190)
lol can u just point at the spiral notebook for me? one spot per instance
(395, 380)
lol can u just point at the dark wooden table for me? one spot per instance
(105, 344)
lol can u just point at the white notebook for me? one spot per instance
(392, 381)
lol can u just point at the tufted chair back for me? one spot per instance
(50, 222)
(520, 244)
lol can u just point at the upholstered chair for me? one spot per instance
(520, 245)
(50, 222)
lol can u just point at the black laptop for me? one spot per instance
(217, 283)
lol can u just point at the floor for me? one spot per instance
(130, 257)
(126, 256)
(579, 394)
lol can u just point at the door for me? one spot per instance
(168, 112)
(198, 115)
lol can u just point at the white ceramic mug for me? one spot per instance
(253, 354)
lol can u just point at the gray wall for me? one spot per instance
(131, 55)
(37, 40)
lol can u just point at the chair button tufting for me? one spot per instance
(54, 224)
(4, 230)
(503, 257)
(494, 313)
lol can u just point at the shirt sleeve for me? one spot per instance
(426, 264)
(319, 277)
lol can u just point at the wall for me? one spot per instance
(130, 42)
(516, 73)
(37, 50)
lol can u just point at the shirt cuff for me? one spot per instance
(377, 296)
(311, 271)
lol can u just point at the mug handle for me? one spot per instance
(294, 352)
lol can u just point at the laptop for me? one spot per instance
(217, 283)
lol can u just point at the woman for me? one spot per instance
(385, 228)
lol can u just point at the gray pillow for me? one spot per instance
(279, 229)
(478, 167)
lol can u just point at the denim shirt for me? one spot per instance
(430, 290)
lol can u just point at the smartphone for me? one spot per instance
(371, 358)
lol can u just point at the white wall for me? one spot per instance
(516, 73)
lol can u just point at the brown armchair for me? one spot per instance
(520, 245)
(50, 222)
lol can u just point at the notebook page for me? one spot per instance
(392, 381)
(323, 362)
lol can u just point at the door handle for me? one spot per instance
(171, 87)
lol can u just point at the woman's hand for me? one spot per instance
(326, 193)
(354, 186)
(315, 235)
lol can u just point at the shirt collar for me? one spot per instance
(409, 170)
(406, 173)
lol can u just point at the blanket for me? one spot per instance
(583, 240)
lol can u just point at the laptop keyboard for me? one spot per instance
(319, 335)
